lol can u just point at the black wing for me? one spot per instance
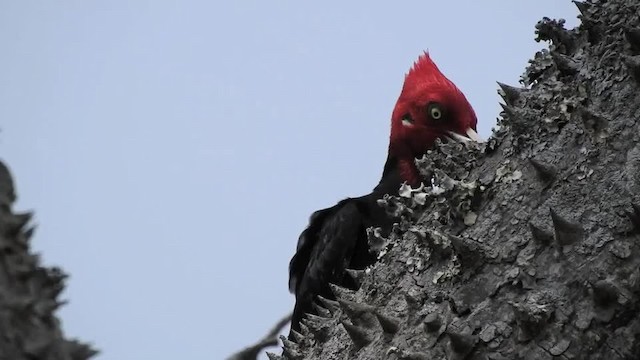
(334, 240)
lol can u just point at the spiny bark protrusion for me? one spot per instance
(297, 337)
(358, 335)
(354, 308)
(604, 293)
(273, 356)
(14, 223)
(389, 324)
(566, 232)
(290, 349)
(304, 330)
(510, 112)
(432, 322)
(28, 234)
(633, 37)
(510, 94)
(583, 7)
(330, 305)
(414, 356)
(413, 303)
(317, 326)
(468, 250)
(360, 314)
(634, 217)
(341, 292)
(531, 318)
(565, 64)
(605, 296)
(37, 348)
(315, 318)
(590, 21)
(633, 64)
(292, 354)
(545, 171)
(320, 310)
(356, 275)
(288, 343)
(539, 235)
(512, 117)
(461, 343)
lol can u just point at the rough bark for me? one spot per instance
(28, 292)
(526, 247)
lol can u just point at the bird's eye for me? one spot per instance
(435, 111)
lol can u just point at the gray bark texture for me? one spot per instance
(29, 329)
(527, 246)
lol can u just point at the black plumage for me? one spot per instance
(335, 240)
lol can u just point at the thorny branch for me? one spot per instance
(271, 339)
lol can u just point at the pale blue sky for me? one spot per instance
(173, 150)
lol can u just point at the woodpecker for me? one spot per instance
(429, 107)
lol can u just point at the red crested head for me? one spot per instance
(430, 106)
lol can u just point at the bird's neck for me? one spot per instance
(397, 170)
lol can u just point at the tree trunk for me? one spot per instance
(526, 247)
(28, 292)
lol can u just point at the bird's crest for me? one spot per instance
(423, 73)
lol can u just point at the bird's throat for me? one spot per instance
(409, 172)
(396, 171)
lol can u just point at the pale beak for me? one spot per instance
(472, 135)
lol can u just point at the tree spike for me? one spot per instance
(16, 222)
(304, 330)
(633, 37)
(290, 349)
(412, 302)
(315, 318)
(292, 354)
(341, 292)
(356, 275)
(389, 324)
(636, 209)
(565, 64)
(511, 93)
(510, 111)
(461, 343)
(355, 310)
(633, 64)
(583, 7)
(415, 356)
(29, 233)
(297, 337)
(358, 335)
(604, 293)
(273, 356)
(545, 171)
(319, 330)
(469, 251)
(634, 217)
(288, 343)
(432, 322)
(531, 318)
(330, 305)
(320, 310)
(566, 232)
(309, 324)
(541, 236)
